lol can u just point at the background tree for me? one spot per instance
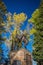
(15, 21)
(37, 20)
(3, 11)
(17, 35)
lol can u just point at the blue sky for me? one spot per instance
(26, 6)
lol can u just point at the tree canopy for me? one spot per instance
(37, 20)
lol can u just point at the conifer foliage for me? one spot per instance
(37, 20)
(3, 11)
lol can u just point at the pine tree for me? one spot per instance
(37, 19)
(3, 11)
